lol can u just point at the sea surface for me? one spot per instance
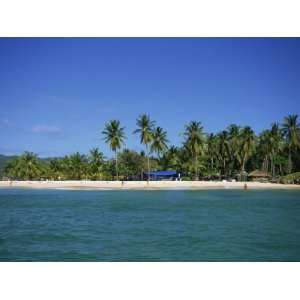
(181, 225)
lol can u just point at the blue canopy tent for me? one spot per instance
(160, 175)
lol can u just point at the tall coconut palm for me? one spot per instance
(145, 130)
(265, 148)
(194, 142)
(114, 135)
(223, 150)
(270, 143)
(233, 136)
(212, 150)
(276, 144)
(291, 130)
(247, 145)
(160, 141)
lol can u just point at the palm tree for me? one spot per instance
(223, 150)
(291, 130)
(247, 145)
(143, 163)
(55, 167)
(27, 166)
(265, 147)
(145, 129)
(212, 151)
(194, 142)
(170, 159)
(77, 166)
(276, 144)
(233, 137)
(114, 135)
(31, 164)
(13, 169)
(160, 141)
(96, 161)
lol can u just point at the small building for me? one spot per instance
(162, 175)
(242, 176)
(259, 175)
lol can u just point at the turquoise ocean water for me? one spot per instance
(211, 225)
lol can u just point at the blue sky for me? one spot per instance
(56, 94)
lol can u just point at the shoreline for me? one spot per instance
(143, 185)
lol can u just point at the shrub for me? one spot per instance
(291, 178)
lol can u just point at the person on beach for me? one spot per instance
(245, 186)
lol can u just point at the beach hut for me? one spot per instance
(242, 176)
(162, 175)
(259, 175)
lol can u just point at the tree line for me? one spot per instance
(231, 153)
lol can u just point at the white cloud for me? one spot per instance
(48, 129)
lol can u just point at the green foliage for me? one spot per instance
(170, 159)
(145, 128)
(114, 135)
(96, 164)
(291, 131)
(291, 178)
(26, 166)
(132, 165)
(160, 141)
(247, 145)
(194, 144)
(223, 152)
(4, 160)
(226, 154)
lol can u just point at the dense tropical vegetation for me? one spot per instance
(231, 153)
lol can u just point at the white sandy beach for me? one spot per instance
(136, 185)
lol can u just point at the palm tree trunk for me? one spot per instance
(243, 168)
(280, 169)
(272, 167)
(264, 165)
(196, 167)
(117, 172)
(148, 163)
(290, 160)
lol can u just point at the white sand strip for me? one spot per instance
(135, 185)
